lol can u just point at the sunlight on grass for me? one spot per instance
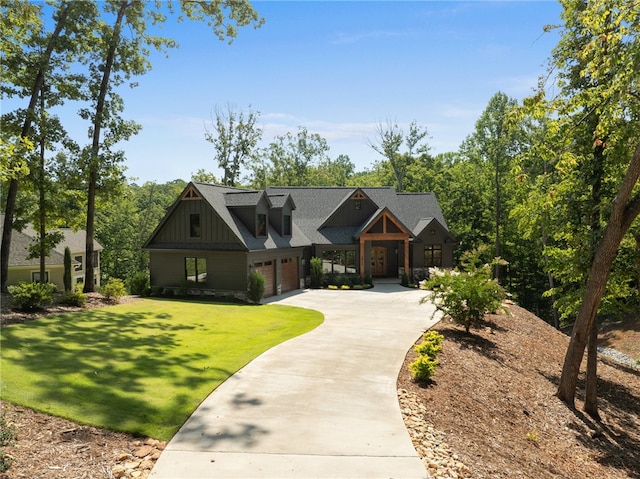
(140, 367)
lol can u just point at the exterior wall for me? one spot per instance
(20, 274)
(276, 217)
(212, 228)
(226, 270)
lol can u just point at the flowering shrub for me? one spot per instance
(465, 296)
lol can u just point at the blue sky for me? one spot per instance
(339, 69)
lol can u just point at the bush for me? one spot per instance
(316, 272)
(76, 298)
(423, 368)
(114, 289)
(425, 365)
(7, 438)
(67, 270)
(138, 282)
(405, 280)
(466, 297)
(32, 296)
(255, 288)
(368, 279)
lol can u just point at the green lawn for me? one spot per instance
(140, 367)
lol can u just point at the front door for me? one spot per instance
(378, 261)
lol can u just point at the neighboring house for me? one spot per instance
(214, 236)
(22, 269)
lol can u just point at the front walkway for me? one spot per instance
(322, 405)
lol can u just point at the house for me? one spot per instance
(22, 269)
(214, 236)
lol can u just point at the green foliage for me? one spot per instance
(431, 344)
(138, 282)
(73, 298)
(32, 296)
(468, 295)
(114, 289)
(255, 288)
(404, 281)
(67, 270)
(425, 364)
(7, 437)
(368, 279)
(316, 272)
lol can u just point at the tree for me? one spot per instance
(494, 144)
(67, 270)
(119, 58)
(600, 42)
(391, 138)
(234, 137)
(288, 160)
(26, 43)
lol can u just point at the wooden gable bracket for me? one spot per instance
(191, 194)
(358, 195)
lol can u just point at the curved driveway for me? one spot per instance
(322, 405)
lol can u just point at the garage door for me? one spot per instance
(268, 270)
(290, 274)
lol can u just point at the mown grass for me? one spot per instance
(141, 367)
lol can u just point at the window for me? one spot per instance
(261, 230)
(433, 255)
(35, 277)
(340, 262)
(78, 265)
(195, 270)
(194, 225)
(286, 225)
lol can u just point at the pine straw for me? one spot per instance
(493, 395)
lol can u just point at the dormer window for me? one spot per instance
(286, 225)
(261, 227)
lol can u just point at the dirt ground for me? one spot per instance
(492, 397)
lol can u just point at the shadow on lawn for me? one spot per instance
(104, 363)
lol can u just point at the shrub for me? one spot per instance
(7, 437)
(66, 279)
(114, 289)
(345, 286)
(467, 296)
(168, 292)
(316, 272)
(367, 279)
(431, 344)
(255, 288)
(76, 298)
(156, 291)
(332, 286)
(425, 364)
(138, 282)
(32, 296)
(423, 368)
(405, 280)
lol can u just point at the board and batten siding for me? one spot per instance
(226, 270)
(212, 228)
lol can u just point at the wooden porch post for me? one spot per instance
(362, 258)
(406, 258)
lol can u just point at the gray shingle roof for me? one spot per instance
(313, 206)
(21, 241)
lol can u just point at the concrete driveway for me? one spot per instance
(322, 405)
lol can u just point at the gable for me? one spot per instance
(384, 223)
(354, 209)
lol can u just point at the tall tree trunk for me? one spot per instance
(12, 190)
(41, 192)
(95, 149)
(624, 210)
(591, 384)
